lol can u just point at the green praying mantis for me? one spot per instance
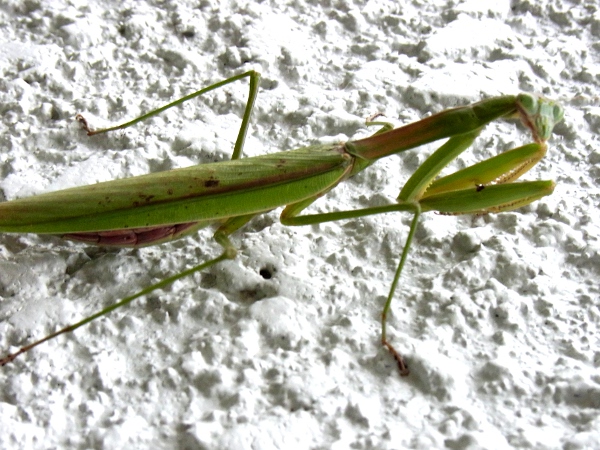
(159, 207)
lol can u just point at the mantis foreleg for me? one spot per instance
(460, 193)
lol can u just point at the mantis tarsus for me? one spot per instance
(154, 208)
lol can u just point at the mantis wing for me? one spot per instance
(208, 192)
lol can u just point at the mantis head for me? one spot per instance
(539, 114)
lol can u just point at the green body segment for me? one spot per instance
(207, 192)
(502, 168)
(420, 181)
(494, 198)
(452, 122)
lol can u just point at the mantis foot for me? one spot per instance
(402, 367)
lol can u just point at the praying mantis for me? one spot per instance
(155, 208)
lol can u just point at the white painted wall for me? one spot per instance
(498, 315)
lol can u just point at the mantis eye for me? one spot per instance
(528, 103)
(559, 113)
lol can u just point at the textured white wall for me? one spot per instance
(498, 315)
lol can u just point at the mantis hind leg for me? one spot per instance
(229, 252)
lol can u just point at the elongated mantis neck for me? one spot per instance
(464, 119)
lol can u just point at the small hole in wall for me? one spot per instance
(266, 273)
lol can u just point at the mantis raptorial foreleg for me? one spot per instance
(154, 208)
(460, 193)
